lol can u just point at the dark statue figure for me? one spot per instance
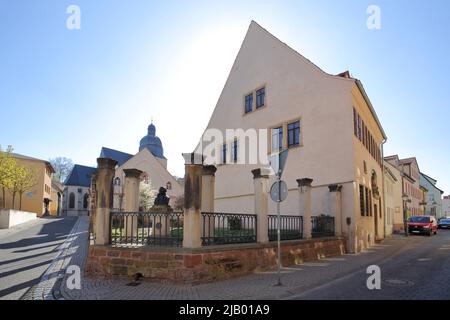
(162, 199)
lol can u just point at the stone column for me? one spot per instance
(336, 207)
(304, 188)
(131, 192)
(261, 185)
(192, 200)
(104, 199)
(208, 180)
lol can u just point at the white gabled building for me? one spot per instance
(326, 121)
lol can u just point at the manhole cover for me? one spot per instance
(399, 282)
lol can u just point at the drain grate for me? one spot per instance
(133, 284)
(399, 282)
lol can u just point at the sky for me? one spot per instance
(69, 92)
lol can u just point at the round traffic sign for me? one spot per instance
(279, 191)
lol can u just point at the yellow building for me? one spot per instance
(33, 200)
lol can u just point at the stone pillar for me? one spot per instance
(304, 188)
(131, 192)
(104, 200)
(336, 207)
(261, 185)
(208, 180)
(192, 201)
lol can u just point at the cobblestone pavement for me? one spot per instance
(26, 252)
(413, 267)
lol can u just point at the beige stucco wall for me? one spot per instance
(393, 196)
(295, 89)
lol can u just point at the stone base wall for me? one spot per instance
(195, 266)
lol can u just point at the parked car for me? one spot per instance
(444, 223)
(422, 225)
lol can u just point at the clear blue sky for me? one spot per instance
(68, 93)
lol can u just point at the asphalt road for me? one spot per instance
(27, 251)
(417, 267)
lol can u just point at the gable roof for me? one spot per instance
(254, 28)
(80, 176)
(431, 181)
(21, 156)
(119, 156)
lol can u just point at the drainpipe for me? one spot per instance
(384, 190)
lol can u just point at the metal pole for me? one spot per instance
(278, 230)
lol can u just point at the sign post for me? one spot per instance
(278, 193)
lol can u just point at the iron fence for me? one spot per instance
(227, 228)
(146, 229)
(322, 226)
(291, 227)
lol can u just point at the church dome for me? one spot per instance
(152, 142)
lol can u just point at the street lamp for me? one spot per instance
(406, 199)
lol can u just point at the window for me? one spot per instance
(367, 202)
(85, 201)
(277, 139)
(117, 181)
(294, 134)
(359, 127)
(361, 200)
(224, 153)
(80, 190)
(72, 200)
(235, 151)
(365, 166)
(248, 103)
(169, 186)
(260, 98)
(355, 123)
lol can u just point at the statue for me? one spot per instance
(162, 199)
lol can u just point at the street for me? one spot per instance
(27, 251)
(413, 268)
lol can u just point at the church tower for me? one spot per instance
(152, 143)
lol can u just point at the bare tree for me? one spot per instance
(63, 166)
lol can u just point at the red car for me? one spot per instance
(422, 225)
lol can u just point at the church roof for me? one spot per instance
(119, 156)
(80, 176)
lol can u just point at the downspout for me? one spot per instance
(384, 190)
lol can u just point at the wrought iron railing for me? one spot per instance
(291, 227)
(146, 229)
(322, 226)
(226, 228)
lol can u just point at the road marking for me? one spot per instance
(333, 259)
(315, 264)
(424, 259)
